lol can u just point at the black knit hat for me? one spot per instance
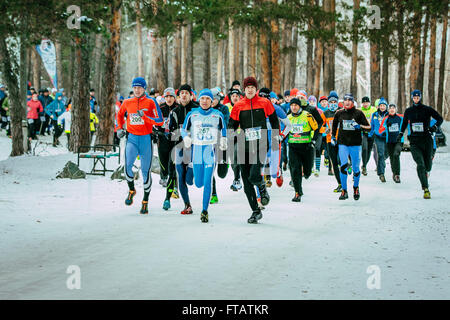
(235, 82)
(185, 87)
(297, 102)
(365, 99)
(234, 91)
(264, 92)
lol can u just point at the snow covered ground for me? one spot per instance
(317, 249)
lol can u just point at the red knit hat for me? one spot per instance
(323, 98)
(250, 81)
(294, 92)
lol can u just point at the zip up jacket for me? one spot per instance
(285, 124)
(66, 120)
(324, 119)
(417, 118)
(369, 111)
(225, 112)
(45, 101)
(250, 115)
(315, 113)
(348, 135)
(165, 109)
(329, 116)
(55, 108)
(139, 125)
(392, 125)
(93, 121)
(375, 123)
(204, 126)
(302, 126)
(177, 117)
(33, 109)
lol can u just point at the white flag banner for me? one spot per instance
(48, 54)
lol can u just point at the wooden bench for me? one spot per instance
(99, 153)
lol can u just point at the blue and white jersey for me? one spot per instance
(204, 126)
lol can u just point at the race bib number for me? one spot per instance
(30, 121)
(417, 127)
(42, 119)
(297, 128)
(204, 135)
(9, 118)
(252, 134)
(348, 125)
(394, 128)
(136, 120)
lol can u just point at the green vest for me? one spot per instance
(368, 112)
(301, 130)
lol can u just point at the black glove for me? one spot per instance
(433, 129)
(154, 137)
(399, 137)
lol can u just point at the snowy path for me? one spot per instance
(318, 249)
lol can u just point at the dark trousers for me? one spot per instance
(300, 160)
(164, 148)
(333, 152)
(44, 124)
(251, 177)
(58, 130)
(394, 150)
(380, 142)
(367, 146)
(421, 151)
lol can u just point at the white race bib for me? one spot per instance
(135, 119)
(42, 119)
(30, 121)
(252, 134)
(394, 128)
(417, 127)
(348, 125)
(4, 119)
(297, 128)
(203, 135)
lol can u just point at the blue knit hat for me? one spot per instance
(139, 82)
(206, 93)
(287, 93)
(383, 101)
(333, 94)
(273, 95)
(349, 96)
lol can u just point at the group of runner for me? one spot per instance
(259, 137)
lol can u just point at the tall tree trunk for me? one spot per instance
(252, 47)
(184, 51)
(309, 65)
(353, 80)
(17, 112)
(71, 74)
(385, 76)
(36, 68)
(287, 33)
(219, 63)
(330, 48)
(141, 69)
(231, 54)
(432, 63)
(275, 50)
(190, 56)
(440, 97)
(420, 80)
(206, 60)
(401, 98)
(165, 65)
(59, 78)
(176, 59)
(318, 56)
(226, 69)
(245, 52)
(80, 133)
(293, 71)
(97, 63)
(107, 111)
(237, 54)
(374, 72)
(415, 51)
(265, 60)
